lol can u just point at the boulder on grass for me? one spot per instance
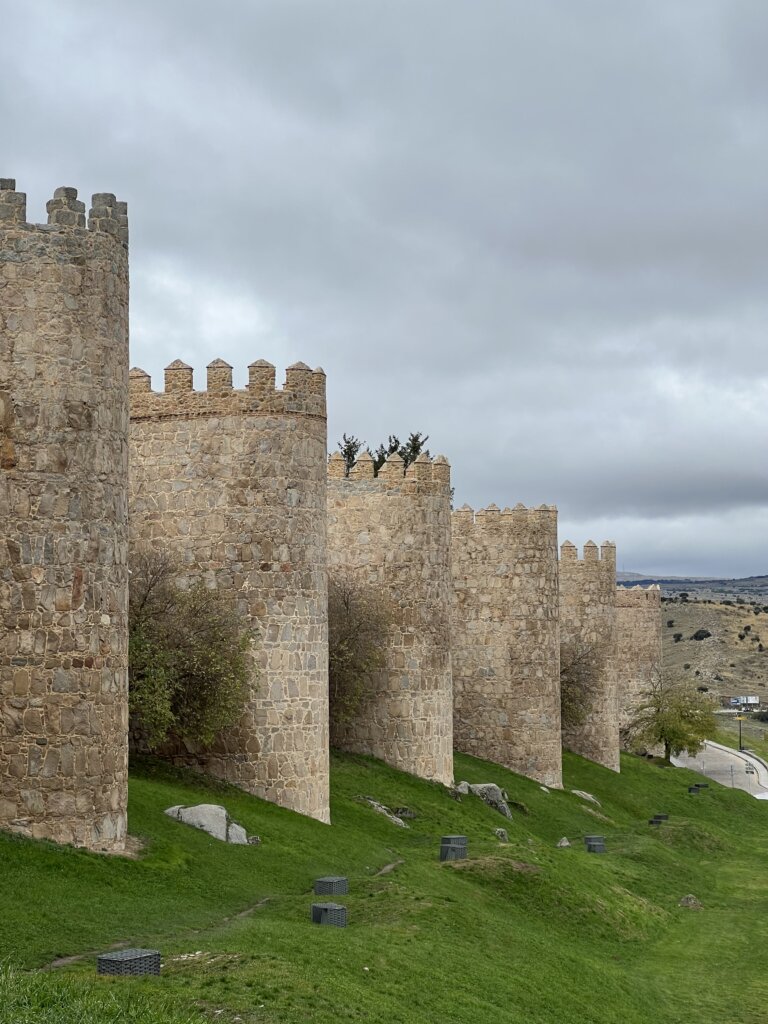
(211, 818)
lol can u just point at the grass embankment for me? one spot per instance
(519, 932)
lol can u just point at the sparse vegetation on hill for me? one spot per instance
(717, 645)
(520, 932)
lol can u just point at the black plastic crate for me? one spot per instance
(654, 821)
(596, 848)
(449, 851)
(594, 839)
(693, 789)
(454, 841)
(333, 914)
(331, 885)
(129, 962)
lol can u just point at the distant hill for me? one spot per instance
(749, 588)
(731, 659)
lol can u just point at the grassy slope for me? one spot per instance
(578, 939)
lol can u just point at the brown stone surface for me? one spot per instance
(638, 612)
(506, 640)
(233, 483)
(588, 617)
(393, 531)
(63, 508)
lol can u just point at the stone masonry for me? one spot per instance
(506, 639)
(588, 621)
(638, 612)
(63, 517)
(393, 532)
(233, 484)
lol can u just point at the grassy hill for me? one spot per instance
(522, 931)
(731, 660)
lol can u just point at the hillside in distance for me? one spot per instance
(732, 660)
(749, 588)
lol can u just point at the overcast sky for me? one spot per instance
(536, 231)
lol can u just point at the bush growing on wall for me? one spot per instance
(359, 624)
(578, 665)
(188, 662)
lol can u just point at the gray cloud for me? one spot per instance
(534, 231)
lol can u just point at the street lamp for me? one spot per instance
(740, 719)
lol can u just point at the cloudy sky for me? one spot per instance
(535, 230)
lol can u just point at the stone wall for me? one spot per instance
(393, 532)
(638, 612)
(506, 639)
(588, 627)
(232, 483)
(63, 529)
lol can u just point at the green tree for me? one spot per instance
(188, 656)
(408, 452)
(674, 715)
(359, 625)
(349, 446)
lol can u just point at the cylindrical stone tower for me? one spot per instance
(232, 484)
(638, 614)
(63, 520)
(506, 639)
(588, 633)
(392, 532)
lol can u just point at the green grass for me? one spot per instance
(519, 932)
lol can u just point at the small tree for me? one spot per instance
(359, 625)
(674, 715)
(187, 654)
(578, 665)
(349, 446)
(408, 452)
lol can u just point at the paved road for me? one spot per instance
(727, 766)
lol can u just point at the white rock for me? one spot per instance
(237, 834)
(585, 796)
(211, 818)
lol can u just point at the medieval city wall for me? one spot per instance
(506, 639)
(63, 519)
(588, 631)
(232, 483)
(393, 532)
(639, 665)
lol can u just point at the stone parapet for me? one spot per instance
(303, 393)
(232, 483)
(393, 532)
(588, 626)
(63, 524)
(506, 640)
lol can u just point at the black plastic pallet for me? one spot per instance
(332, 885)
(450, 852)
(129, 962)
(333, 914)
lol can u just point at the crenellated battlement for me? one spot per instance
(303, 392)
(66, 212)
(492, 519)
(605, 554)
(424, 472)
